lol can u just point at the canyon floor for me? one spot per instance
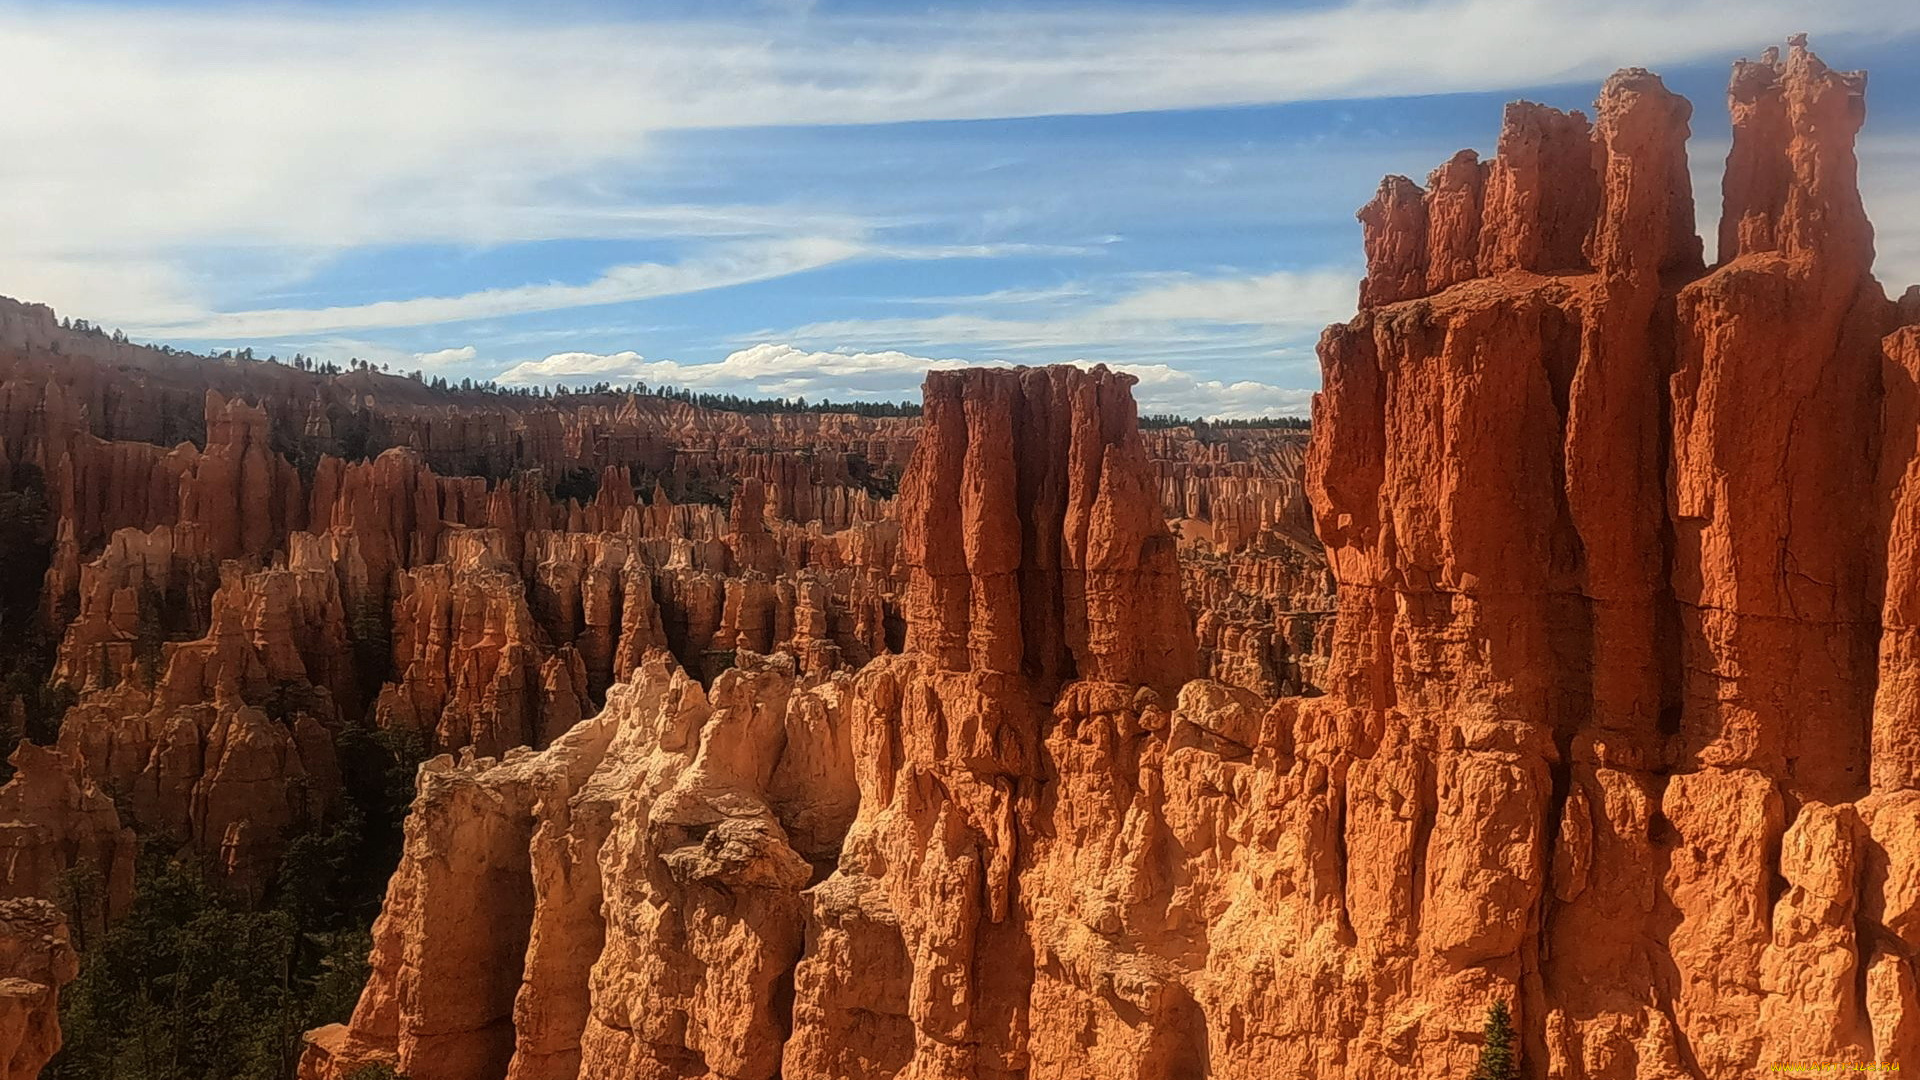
(1570, 661)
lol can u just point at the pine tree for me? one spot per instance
(1498, 1060)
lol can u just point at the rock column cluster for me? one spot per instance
(1617, 541)
(1618, 729)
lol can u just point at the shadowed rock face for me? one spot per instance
(1618, 728)
(36, 960)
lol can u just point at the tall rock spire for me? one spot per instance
(1034, 534)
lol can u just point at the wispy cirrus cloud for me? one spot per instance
(217, 173)
(316, 133)
(718, 267)
(1166, 315)
(729, 266)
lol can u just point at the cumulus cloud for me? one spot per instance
(578, 367)
(465, 354)
(1163, 389)
(778, 369)
(766, 369)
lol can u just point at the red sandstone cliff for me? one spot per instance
(1617, 728)
(625, 902)
(1610, 599)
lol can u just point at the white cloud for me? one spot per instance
(721, 267)
(465, 354)
(155, 131)
(102, 288)
(1163, 389)
(775, 369)
(1186, 314)
(733, 265)
(574, 367)
(766, 369)
(1284, 298)
(1044, 295)
(1888, 167)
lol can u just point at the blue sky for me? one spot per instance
(816, 199)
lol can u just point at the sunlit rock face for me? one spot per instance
(1620, 662)
(1617, 722)
(624, 902)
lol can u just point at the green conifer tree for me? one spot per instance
(1499, 1059)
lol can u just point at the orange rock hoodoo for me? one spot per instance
(1603, 735)
(758, 771)
(246, 560)
(653, 864)
(1618, 724)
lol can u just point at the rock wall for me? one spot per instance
(921, 946)
(625, 903)
(1610, 718)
